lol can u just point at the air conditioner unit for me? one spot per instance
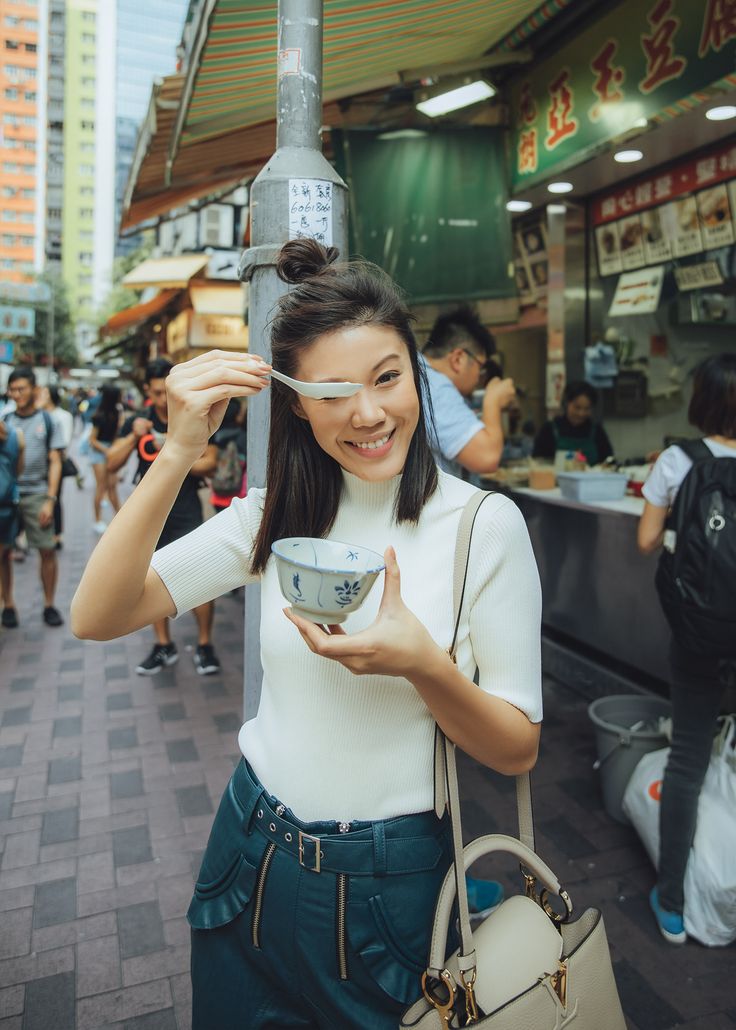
(216, 226)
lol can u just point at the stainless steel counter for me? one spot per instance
(597, 589)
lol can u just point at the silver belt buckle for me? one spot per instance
(317, 853)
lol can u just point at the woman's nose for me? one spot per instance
(367, 410)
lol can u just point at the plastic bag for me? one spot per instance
(710, 877)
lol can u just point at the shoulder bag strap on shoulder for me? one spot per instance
(696, 450)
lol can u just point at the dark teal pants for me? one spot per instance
(300, 925)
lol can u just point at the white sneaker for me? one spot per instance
(99, 527)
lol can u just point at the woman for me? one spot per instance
(314, 904)
(697, 681)
(575, 430)
(105, 424)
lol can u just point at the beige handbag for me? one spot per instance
(527, 966)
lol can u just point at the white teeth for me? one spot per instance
(374, 444)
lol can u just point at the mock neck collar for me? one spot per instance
(367, 495)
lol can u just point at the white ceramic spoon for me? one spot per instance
(318, 390)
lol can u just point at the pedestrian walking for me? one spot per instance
(228, 479)
(12, 454)
(314, 903)
(105, 424)
(144, 434)
(38, 487)
(458, 361)
(49, 400)
(698, 664)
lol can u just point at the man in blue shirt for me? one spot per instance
(457, 361)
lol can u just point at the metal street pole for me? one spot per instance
(50, 337)
(297, 193)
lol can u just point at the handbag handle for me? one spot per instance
(476, 849)
(445, 768)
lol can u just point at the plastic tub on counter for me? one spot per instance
(592, 486)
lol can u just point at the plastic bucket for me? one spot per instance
(626, 728)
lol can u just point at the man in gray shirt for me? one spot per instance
(39, 487)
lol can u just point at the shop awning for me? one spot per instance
(166, 273)
(137, 314)
(214, 126)
(217, 300)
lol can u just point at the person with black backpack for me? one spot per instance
(12, 455)
(690, 512)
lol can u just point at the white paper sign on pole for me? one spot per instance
(310, 209)
(638, 293)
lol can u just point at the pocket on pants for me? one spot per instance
(227, 875)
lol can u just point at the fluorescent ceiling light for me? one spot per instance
(403, 134)
(721, 114)
(560, 187)
(626, 157)
(518, 205)
(454, 99)
(556, 209)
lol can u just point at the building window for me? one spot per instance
(12, 44)
(86, 236)
(8, 191)
(30, 97)
(54, 212)
(7, 263)
(29, 144)
(85, 257)
(8, 215)
(86, 169)
(30, 48)
(88, 81)
(86, 148)
(8, 240)
(87, 125)
(9, 166)
(30, 23)
(86, 191)
(88, 58)
(89, 16)
(11, 93)
(86, 212)
(27, 216)
(29, 119)
(11, 20)
(88, 37)
(88, 102)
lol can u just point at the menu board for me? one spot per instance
(530, 262)
(687, 209)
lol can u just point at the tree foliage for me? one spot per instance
(35, 350)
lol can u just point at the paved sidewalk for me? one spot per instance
(108, 783)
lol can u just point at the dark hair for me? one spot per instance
(579, 388)
(713, 403)
(54, 395)
(303, 483)
(22, 372)
(455, 329)
(159, 368)
(107, 416)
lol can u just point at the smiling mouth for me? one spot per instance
(369, 446)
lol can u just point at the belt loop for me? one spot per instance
(380, 867)
(247, 793)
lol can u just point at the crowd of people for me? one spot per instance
(391, 467)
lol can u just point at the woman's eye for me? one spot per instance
(388, 377)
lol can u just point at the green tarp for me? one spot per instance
(431, 210)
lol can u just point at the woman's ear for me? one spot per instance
(299, 410)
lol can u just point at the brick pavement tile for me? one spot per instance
(213, 688)
(11, 756)
(118, 896)
(60, 826)
(70, 692)
(102, 924)
(641, 1001)
(117, 672)
(193, 801)
(67, 726)
(50, 1002)
(95, 804)
(30, 874)
(22, 683)
(95, 872)
(15, 897)
(12, 1000)
(71, 665)
(89, 845)
(65, 770)
(227, 722)
(6, 804)
(16, 716)
(15, 938)
(55, 902)
(98, 966)
(21, 850)
(131, 846)
(172, 712)
(126, 784)
(169, 961)
(119, 702)
(34, 965)
(14, 1023)
(174, 894)
(147, 872)
(164, 1019)
(182, 750)
(181, 989)
(125, 736)
(101, 1010)
(140, 929)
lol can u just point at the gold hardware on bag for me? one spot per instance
(444, 1008)
(559, 983)
(530, 883)
(471, 1006)
(555, 916)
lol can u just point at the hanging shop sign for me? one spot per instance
(17, 321)
(530, 262)
(686, 209)
(190, 330)
(638, 293)
(694, 277)
(635, 61)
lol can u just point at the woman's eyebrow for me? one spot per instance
(389, 357)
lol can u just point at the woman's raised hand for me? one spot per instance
(197, 395)
(396, 644)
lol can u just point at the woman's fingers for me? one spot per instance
(219, 376)
(235, 358)
(330, 644)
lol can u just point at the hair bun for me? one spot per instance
(303, 258)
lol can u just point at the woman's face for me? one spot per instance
(367, 434)
(579, 410)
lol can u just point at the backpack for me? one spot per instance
(9, 451)
(228, 475)
(696, 574)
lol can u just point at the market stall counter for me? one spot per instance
(598, 590)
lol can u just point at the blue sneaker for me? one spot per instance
(670, 924)
(484, 896)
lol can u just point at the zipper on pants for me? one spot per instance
(258, 894)
(342, 904)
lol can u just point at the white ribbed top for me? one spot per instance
(332, 745)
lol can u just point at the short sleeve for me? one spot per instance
(665, 478)
(56, 439)
(455, 424)
(127, 426)
(214, 558)
(506, 614)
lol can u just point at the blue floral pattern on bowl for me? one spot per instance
(347, 592)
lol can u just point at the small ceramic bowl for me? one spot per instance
(325, 580)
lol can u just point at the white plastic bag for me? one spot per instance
(710, 877)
